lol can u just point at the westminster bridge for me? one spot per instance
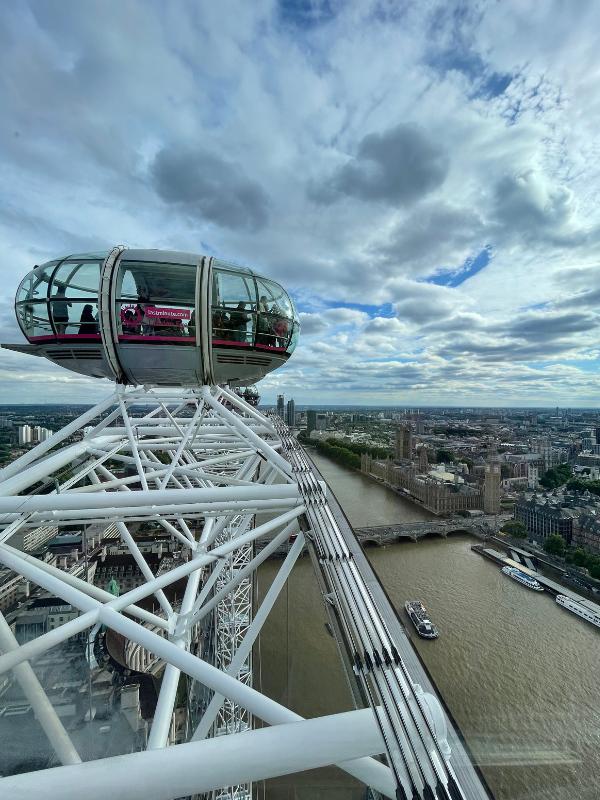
(482, 526)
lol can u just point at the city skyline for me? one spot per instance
(422, 181)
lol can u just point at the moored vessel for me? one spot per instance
(523, 578)
(578, 608)
(420, 619)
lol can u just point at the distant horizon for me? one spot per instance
(303, 406)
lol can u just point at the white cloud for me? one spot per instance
(346, 153)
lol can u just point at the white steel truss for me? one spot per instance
(233, 615)
(201, 471)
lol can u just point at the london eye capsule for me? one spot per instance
(156, 317)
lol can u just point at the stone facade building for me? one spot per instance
(544, 516)
(435, 496)
(491, 488)
(403, 443)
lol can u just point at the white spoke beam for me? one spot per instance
(201, 611)
(42, 707)
(250, 756)
(144, 568)
(244, 650)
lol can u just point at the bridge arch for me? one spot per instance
(462, 531)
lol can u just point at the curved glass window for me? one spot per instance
(156, 302)
(79, 279)
(74, 318)
(227, 265)
(60, 301)
(98, 256)
(294, 337)
(35, 285)
(275, 316)
(33, 319)
(233, 308)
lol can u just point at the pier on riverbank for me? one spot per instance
(552, 587)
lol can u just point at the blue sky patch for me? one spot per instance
(314, 306)
(306, 14)
(454, 277)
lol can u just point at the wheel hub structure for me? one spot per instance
(203, 471)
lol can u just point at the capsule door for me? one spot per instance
(156, 325)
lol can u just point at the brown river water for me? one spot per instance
(519, 674)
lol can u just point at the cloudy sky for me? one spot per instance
(423, 177)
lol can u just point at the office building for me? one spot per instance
(290, 414)
(311, 422)
(321, 422)
(280, 405)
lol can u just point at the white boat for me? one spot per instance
(523, 578)
(578, 608)
(420, 619)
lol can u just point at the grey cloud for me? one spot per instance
(435, 235)
(527, 204)
(536, 335)
(312, 323)
(422, 303)
(386, 326)
(455, 323)
(504, 350)
(578, 277)
(590, 299)
(550, 325)
(397, 167)
(204, 185)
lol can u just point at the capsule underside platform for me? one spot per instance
(156, 317)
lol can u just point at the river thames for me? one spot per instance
(519, 674)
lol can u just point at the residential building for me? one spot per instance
(25, 434)
(34, 540)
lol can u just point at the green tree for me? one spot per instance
(555, 545)
(556, 476)
(443, 456)
(515, 528)
(580, 557)
(580, 485)
(595, 571)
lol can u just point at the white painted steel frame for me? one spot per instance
(206, 469)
